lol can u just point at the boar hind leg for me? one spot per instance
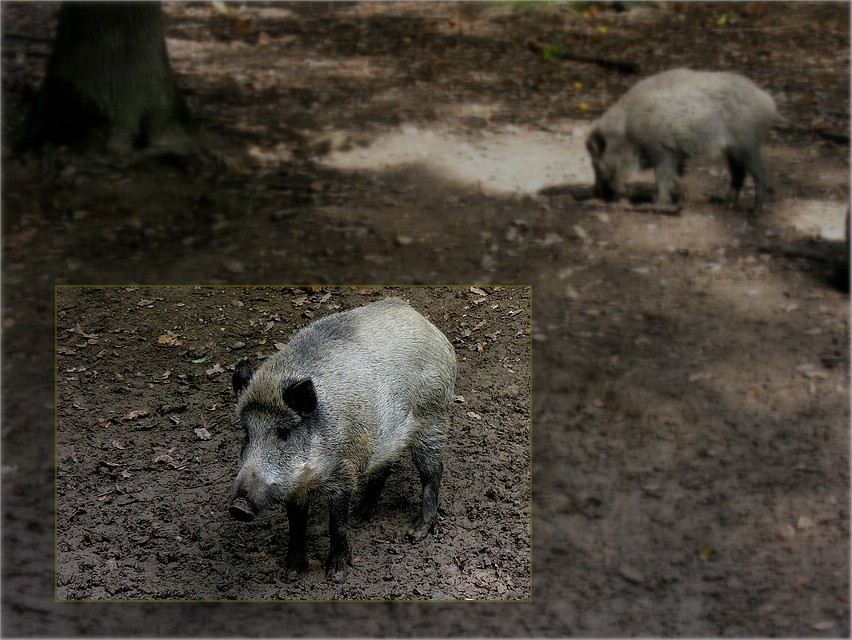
(297, 555)
(370, 492)
(757, 170)
(741, 164)
(426, 451)
(738, 174)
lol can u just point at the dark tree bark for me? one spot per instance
(109, 83)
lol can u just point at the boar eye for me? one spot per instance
(283, 433)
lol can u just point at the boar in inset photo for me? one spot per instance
(328, 415)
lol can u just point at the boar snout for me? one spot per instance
(241, 509)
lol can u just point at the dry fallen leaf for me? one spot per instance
(220, 7)
(216, 369)
(234, 266)
(134, 415)
(631, 574)
(810, 372)
(262, 562)
(162, 455)
(169, 339)
(241, 24)
(824, 625)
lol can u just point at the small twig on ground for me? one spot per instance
(27, 38)
(622, 66)
(842, 138)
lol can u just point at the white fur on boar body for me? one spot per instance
(670, 118)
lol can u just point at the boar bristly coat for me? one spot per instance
(327, 416)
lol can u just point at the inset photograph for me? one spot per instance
(224, 443)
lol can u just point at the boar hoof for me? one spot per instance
(420, 530)
(336, 568)
(298, 561)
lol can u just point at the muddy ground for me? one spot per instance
(142, 496)
(690, 407)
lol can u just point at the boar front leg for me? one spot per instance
(297, 550)
(669, 169)
(339, 556)
(741, 163)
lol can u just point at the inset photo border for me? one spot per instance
(148, 446)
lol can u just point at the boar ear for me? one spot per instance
(241, 377)
(596, 144)
(300, 397)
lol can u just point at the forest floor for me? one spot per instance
(690, 381)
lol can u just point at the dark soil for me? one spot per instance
(142, 497)
(690, 385)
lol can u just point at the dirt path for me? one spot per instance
(690, 407)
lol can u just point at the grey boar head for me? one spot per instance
(281, 455)
(614, 161)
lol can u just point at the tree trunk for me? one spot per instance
(109, 83)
